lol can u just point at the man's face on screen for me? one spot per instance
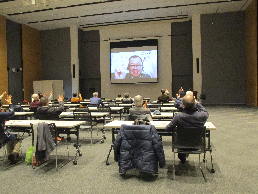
(135, 66)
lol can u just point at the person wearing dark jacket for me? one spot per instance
(193, 115)
(12, 141)
(140, 147)
(45, 111)
(163, 97)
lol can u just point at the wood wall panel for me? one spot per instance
(31, 55)
(3, 56)
(251, 54)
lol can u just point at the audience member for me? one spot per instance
(127, 99)
(36, 102)
(75, 99)
(163, 97)
(46, 112)
(193, 115)
(119, 97)
(13, 141)
(96, 100)
(181, 92)
(140, 110)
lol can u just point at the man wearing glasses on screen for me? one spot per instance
(135, 68)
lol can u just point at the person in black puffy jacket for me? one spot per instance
(140, 147)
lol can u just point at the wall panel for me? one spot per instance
(31, 54)
(3, 56)
(251, 54)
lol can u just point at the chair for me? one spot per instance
(139, 146)
(85, 115)
(189, 140)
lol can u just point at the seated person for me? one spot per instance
(127, 99)
(163, 97)
(178, 103)
(48, 113)
(95, 100)
(75, 99)
(36, 103)
(14, 142)
(119, 97)
(139, 111)
(193, 115)
(181, 92)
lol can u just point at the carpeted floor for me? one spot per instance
(234, 144)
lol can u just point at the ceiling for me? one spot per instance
(86, 14)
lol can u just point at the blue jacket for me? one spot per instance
(96, 100)
(140, 147)
(3, 117)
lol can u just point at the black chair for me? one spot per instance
(48, 116)
(84, 114)
(189, 140)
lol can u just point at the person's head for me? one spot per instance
(35, 96)
(95, 94)
(135, 65)
(189, 93)
(138, 100)
(188, 101)
(74, 95)
(126, 95)
(162, 91)
(44, 101)
(119, 95)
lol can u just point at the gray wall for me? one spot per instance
(89, 62)
(14, 60)
(223, 58)
(56, 57)
(181, 56)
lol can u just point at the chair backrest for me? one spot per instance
(135, 133)
(18, 108)
(82, 114)
(189, 138)
(33, 109)
(139, 116)
(48, 116)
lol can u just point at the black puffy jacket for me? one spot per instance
(140, 147)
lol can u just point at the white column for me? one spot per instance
(196, 41)
(74, 59)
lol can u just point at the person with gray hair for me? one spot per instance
(140, 110)
(193, 115)
(45, 112)
(36, 102)
(95, 100)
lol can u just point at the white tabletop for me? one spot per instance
(126, 105)
(116, 108)
(59, 124)
(94, 114)
(169, 108)
(23, 113)
(157, 124)
(71, 104)
(163, 114)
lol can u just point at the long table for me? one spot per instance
(62, 127)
